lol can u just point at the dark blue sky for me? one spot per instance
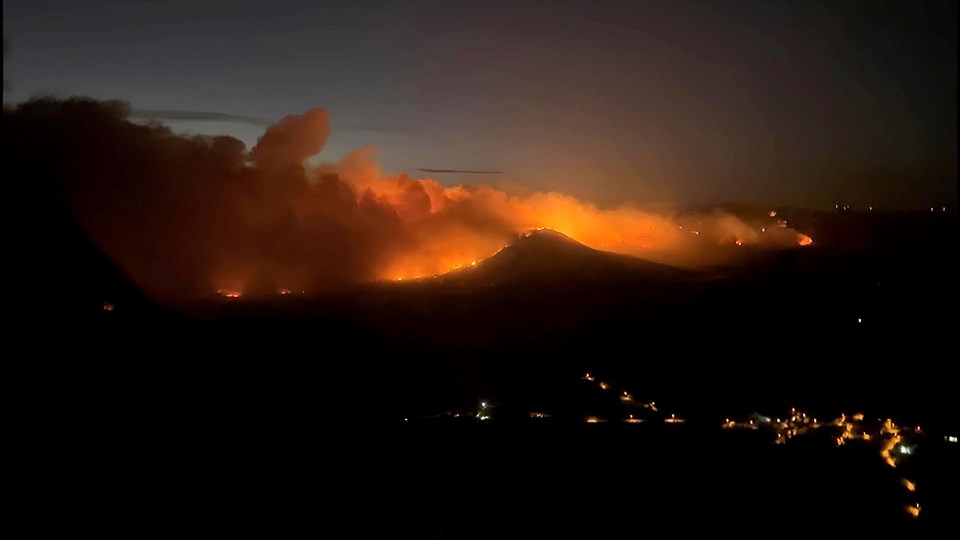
(805, 103)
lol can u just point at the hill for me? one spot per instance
(548, 256)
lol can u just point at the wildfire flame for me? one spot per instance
(455, 228)
(212, 215)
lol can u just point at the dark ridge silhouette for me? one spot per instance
(546, 255)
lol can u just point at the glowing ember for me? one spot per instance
(773, 213)
(909, 485)
(913, 510)
(229, 294)
(739, 242)
(284, 292)
(107, 306)
(804, 240)
(891, 443)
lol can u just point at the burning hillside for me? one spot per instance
(187, 215)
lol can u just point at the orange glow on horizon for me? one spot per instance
(457, 228)
(227, 220)
(450, 229)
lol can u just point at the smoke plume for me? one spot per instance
(185, 216)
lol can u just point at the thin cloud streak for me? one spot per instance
(441, 171)
(151, 114)
(210, 116)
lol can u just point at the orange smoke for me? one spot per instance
(185, 216)
(457, 227)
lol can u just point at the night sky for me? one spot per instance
(797, 103)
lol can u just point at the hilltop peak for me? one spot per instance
(549, 255)
(543, 238)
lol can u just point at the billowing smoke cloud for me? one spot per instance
(186, 216)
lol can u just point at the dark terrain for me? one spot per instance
(301, 401)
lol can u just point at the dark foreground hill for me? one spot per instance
(314, 389)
